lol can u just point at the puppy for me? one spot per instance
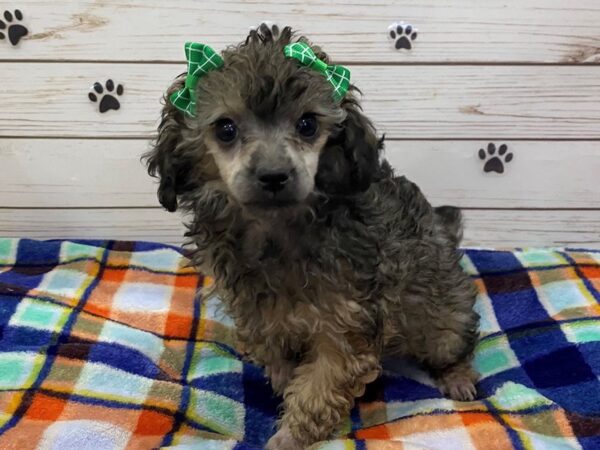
(326, 261)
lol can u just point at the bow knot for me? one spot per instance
(337, 76)
(201, 60)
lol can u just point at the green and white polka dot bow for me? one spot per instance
(201, 60)
(338, 76)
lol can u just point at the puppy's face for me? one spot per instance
(267, 162)
(265, 121)
(267, 130)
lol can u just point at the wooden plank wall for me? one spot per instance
(520, 73)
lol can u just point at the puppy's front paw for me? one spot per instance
(461, 391)
(458, 383)
(283, 440)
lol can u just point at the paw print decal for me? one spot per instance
(267, 29)
(495, 162)
(8, 27)
(109, 99)
(402, 35)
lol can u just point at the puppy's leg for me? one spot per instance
(439, 327)
(335, 371)
(446, 350)
(280, 373)
(457, 381)
(278, 363)
(447, 353)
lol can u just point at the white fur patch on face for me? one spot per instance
(306, 161)
(311, 155)
(230, 162)
(311, 162)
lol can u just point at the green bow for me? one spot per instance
(201, 60)
(338, 76)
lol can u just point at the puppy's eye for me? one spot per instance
(307, 126)
(226, 130)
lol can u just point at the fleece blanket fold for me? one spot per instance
(105, 345)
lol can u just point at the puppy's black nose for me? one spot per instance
(273, 181)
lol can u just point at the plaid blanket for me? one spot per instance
(104, 345)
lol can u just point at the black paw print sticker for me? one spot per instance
(109, 99)
(402, 35)
(15, 31)
(495, 162)
(267, 29)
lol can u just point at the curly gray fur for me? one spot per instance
(363, 267)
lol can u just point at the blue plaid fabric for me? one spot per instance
(108, 343)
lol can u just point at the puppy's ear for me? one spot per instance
(164, 161)
(350, 160)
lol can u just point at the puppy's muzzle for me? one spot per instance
(272, 180)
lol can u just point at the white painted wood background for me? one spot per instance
(523, 73)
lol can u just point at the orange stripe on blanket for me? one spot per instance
(187, 281)
(470, 419)
(98, 310)
(378, 432)
(418, 424)
(44, 407)
(484, 429)
(153, 423)
(593, 275)
(114, 275)
(178, 326)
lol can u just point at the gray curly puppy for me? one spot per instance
(326, 261)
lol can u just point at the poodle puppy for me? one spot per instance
(324, 258)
